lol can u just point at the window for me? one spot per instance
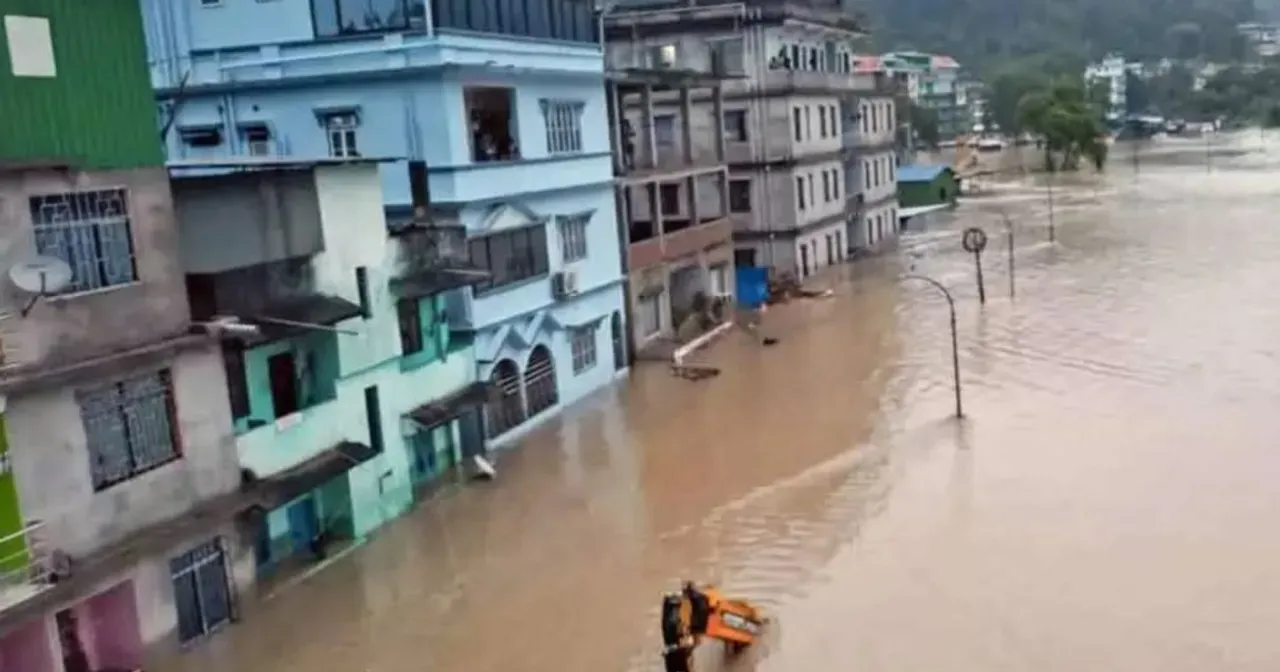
(735, 125)
(875, 172)
(411, 340)
(342, 135)
(353, 17)
(90, 230)
(362, 291)
(491, 115)
(808, 123)
(718, 280)
(130, 427)
(664, 130)
(834, 115)
(510, 256)
(812, 195)
(839, 245)
(864, 118)
(237, 383)
(826, 187)
(30, 43)
(564, 125)
(800, 191)
(573, 237)
(506, 409)
(798, 124)
(650, 315)
(282, 374)
(582, 343)
(739, 195)
(200, 136)
(669, 197)
(373, 416)
(727, 57)
(866, 174)
(201, 593)
(822, 121)
(257, 140)
(835, 183)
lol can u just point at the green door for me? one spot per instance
(13, 544)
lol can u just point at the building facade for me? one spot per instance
(119, 483)
(346, 387)
(874, 180)
(669, 136)
(504, 111)
(782, 119)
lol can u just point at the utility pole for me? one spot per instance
(1008, 228)
(1053, 234)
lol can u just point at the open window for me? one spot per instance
(201, 136)
(491, 114)
(257, 139)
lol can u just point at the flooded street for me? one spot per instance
(1109, 503)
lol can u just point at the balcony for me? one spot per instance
(679, 243)
(26, 568)
(492, 180)
(296, 438)
(666, 162)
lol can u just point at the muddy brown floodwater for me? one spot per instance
(1111, 501)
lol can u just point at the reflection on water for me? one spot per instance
(1109, 503)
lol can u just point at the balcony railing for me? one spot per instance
(26, 566)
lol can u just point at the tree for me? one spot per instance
(1059, 112)
(925, 123)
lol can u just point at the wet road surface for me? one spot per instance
(1109, 503)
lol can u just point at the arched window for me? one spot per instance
(540, 381)
(506, 409)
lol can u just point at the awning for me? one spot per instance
(288, 485)
(439, 411)
(290, 317)
(427, 282)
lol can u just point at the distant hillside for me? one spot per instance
(983, 33)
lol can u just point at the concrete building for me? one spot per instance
(669, 135)
(349, 390)
(1111, 72)
(873, 181)
(504, 109)
(118, 474)
(782, 119)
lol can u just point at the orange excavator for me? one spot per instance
(698, 612)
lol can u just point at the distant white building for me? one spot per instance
(1112, 71)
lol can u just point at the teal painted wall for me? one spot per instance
(942, 189)
(316, 359)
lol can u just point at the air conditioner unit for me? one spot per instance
(564, 284)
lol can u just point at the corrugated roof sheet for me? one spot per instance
(920, 173)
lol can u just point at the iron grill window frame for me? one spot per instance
(563, 120)
(114, 408)
(92, 231)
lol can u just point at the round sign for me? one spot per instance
(975, 240)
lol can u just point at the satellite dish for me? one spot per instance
(40, 276)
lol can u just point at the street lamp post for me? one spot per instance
(955, 343)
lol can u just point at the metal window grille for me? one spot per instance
(582, 343)
(129, 427)
(564, 125)
(201, 592)
(573, 237)
(506, 411)
(90, 231)
(342, 135)
(540, 381)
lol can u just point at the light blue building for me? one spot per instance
(499, 110)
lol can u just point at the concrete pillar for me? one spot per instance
(655, 208)
(686, 125)
(717, 97)
(695, 217)
(613, 100)
(650, 138)
(724, 193)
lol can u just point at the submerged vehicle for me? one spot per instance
(698, 612)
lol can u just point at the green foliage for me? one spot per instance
(986, 34)
(925, 123)
(1061, 113)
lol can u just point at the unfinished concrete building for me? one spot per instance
(668, 137)
(788, 125)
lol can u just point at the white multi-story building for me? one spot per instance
(792, 121)
(1111, 71)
